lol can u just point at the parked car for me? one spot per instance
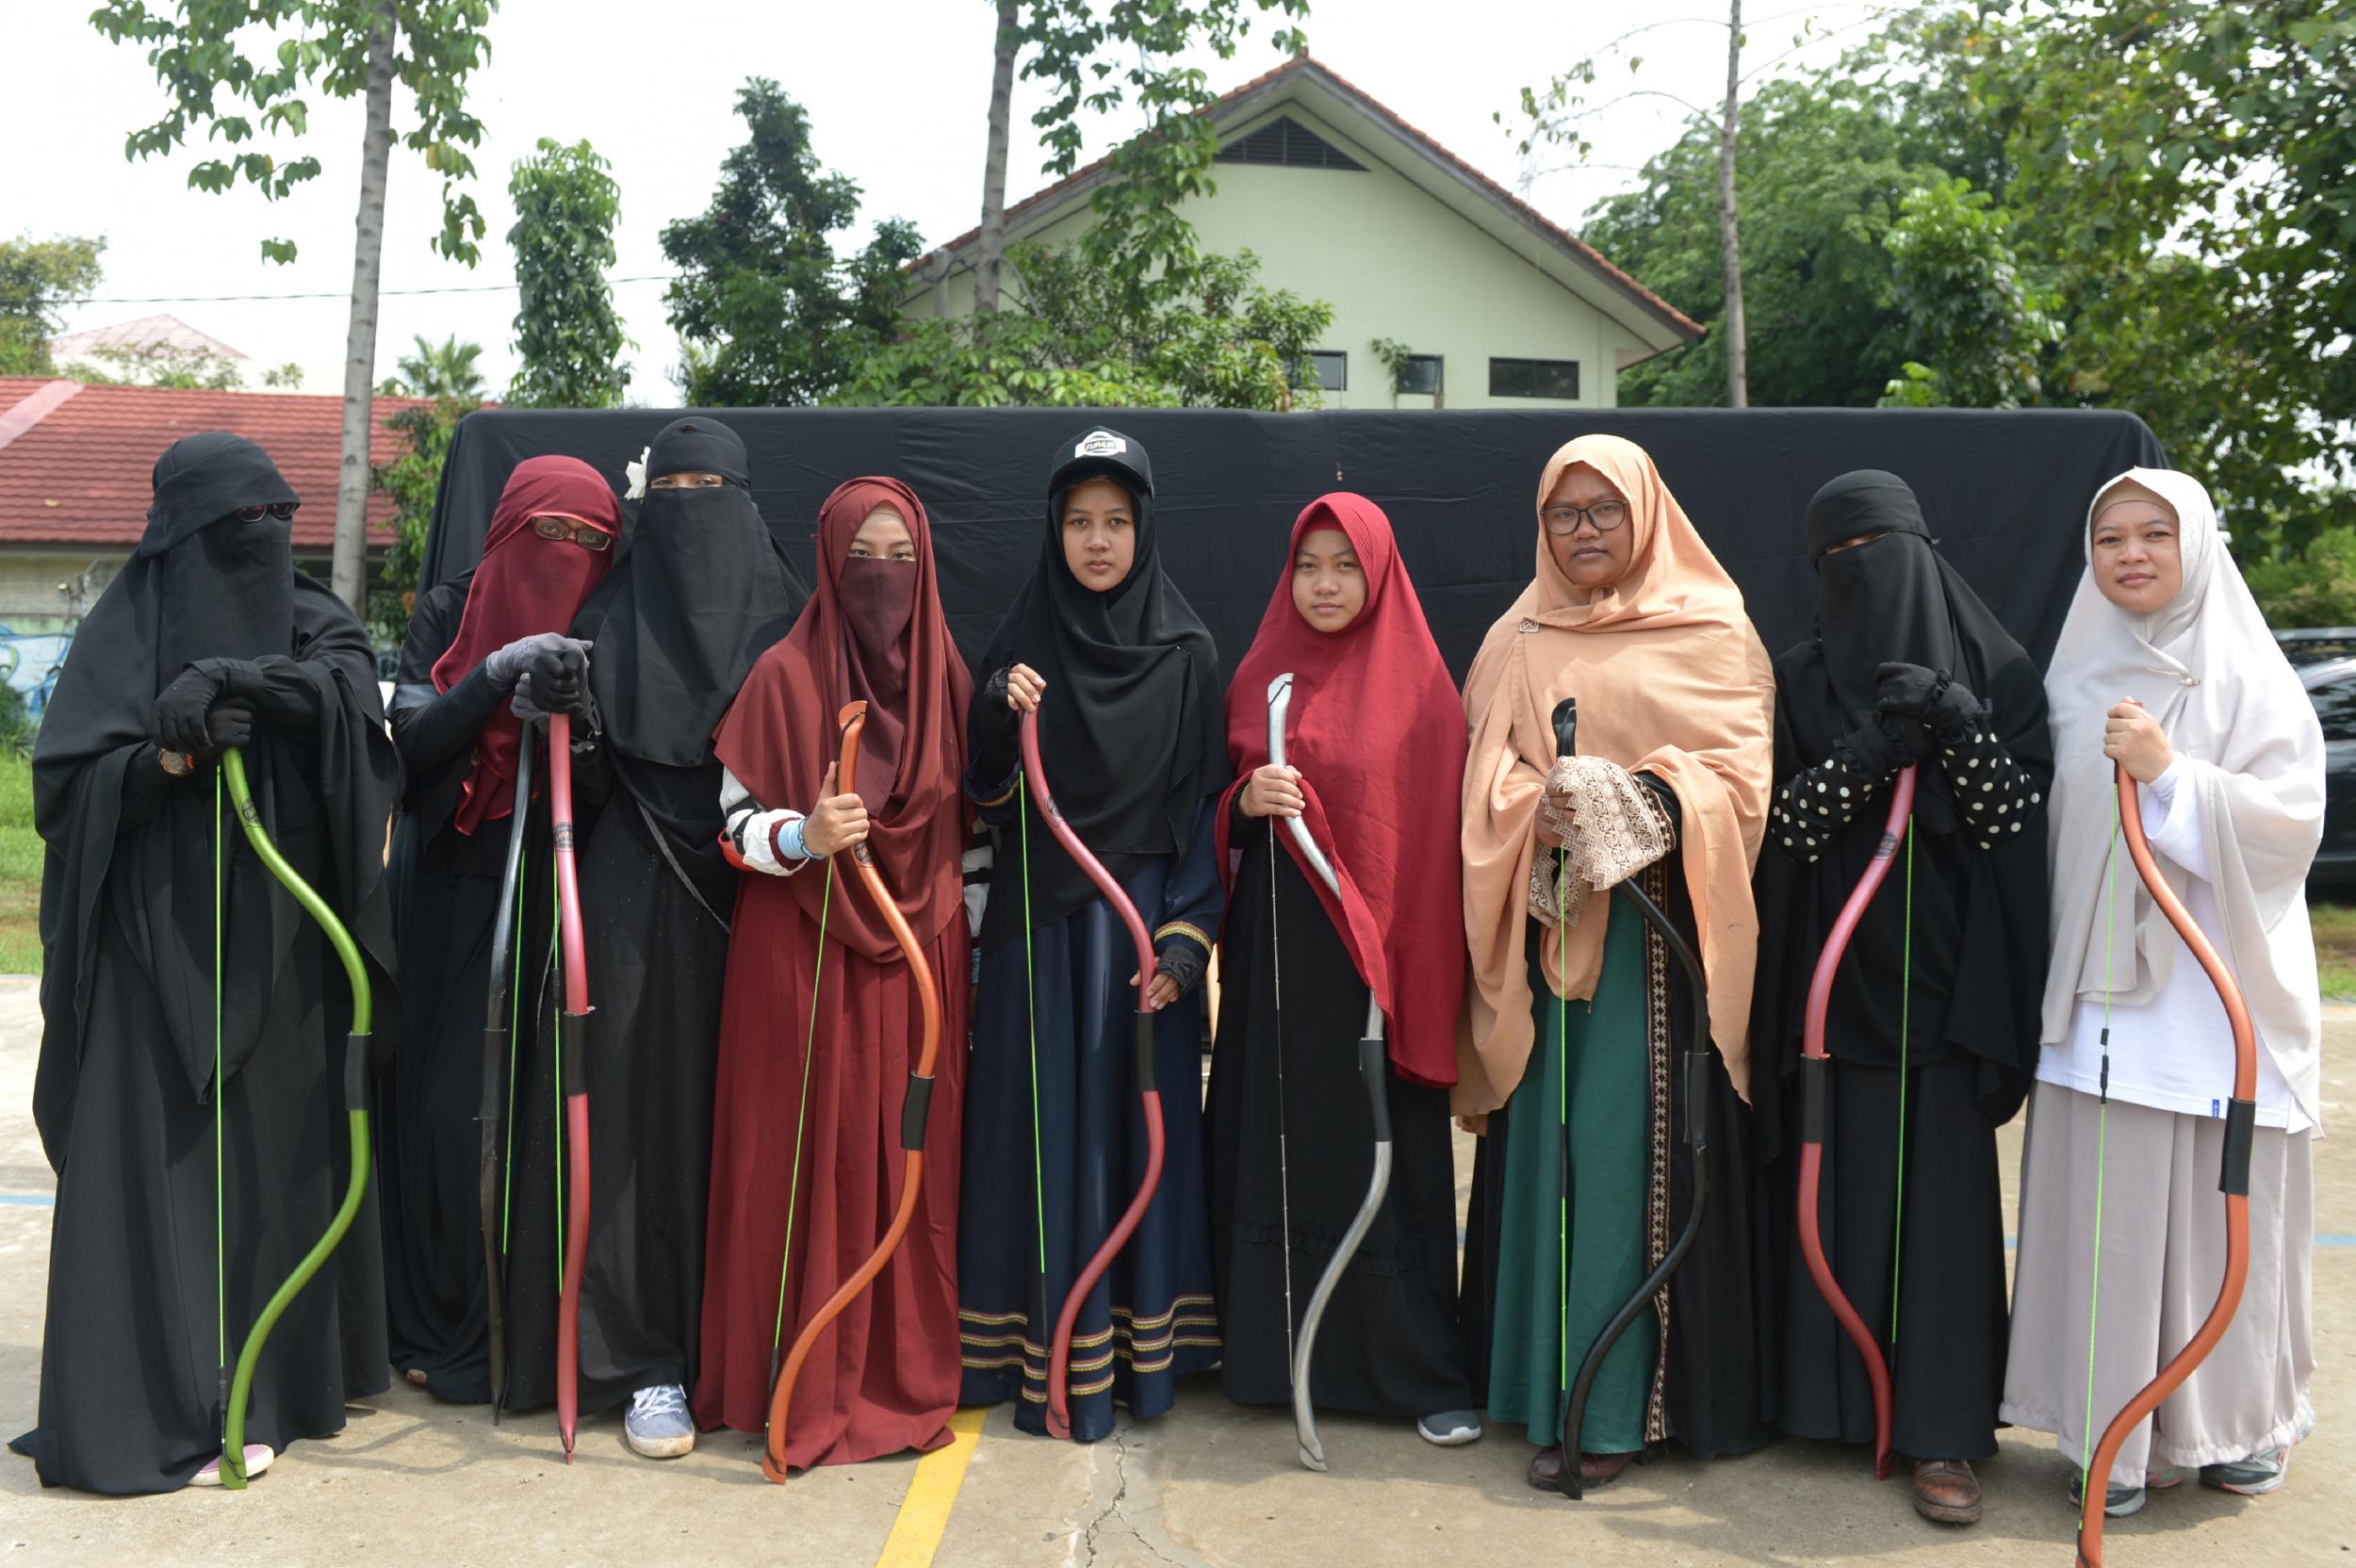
(2331, 687)
(2313, 644)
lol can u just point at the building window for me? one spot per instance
(1286, 142)
(1534, 378)
(1328, 367)
(1420, 373)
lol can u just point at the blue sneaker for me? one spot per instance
(2120, 1501)
(1449, 1429)
(2255, 1476)
(658, 1425)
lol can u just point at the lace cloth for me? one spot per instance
(1614, 829)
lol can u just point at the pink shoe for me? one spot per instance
(258, 1457)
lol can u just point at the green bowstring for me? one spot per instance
(2102, 1154)
(1563, 1117)
(1905, 1014)
(801, 1111)
(221, 1223)
(1030, 994)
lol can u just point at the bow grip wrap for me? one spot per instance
(572, 1038)
(357, 1086)
(1373, 1062)
(1814, 1071)
(2241, 1131)
(913, 1111)
(1145, 1048)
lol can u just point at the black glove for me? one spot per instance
(1001, 730)
(1907, 691)
(560, 677)
(178, 722)
(230, 723)
(1953, 712)
(1184, 961)
(1880, 749)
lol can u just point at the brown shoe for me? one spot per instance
(1602, 1469)
(1546, 1469)
(1945, 1490)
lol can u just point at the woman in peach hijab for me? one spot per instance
(1576, 1012)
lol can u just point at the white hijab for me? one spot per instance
(2242, 727)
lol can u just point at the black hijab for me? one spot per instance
(701, 590)
(1975, 949)
(202, 585)
(1131, 729)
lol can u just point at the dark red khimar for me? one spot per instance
(1376, 731)
(525, 585)
(884, 1378)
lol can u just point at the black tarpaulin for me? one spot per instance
(2006, 493)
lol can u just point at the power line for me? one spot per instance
(324, 294)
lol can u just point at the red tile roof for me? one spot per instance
(1302, 63)
(76, 461)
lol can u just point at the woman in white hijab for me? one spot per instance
(2166, 665)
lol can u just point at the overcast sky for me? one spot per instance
(897, 93)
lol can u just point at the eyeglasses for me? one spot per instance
(587, 535)
(283, 511)
(1606, 516)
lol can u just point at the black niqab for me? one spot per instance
(1131, 729)
(1974, 951)
(701, 592)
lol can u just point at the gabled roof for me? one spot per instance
(148, 332)
(77, 462)
(1440, 172)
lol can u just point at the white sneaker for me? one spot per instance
(658, 1425)
(258, 1458)
(1449, 1429)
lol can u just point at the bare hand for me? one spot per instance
(837, 822)
(1024, 687)
(1161, 993)
(1272, 792)
(2134, 738)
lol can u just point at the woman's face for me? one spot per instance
(1575, 516)
(2137, 563)
(1100, 534)
(686, 482)
(1329, 587)
(884, 536)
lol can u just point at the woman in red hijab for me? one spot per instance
(821, 1024)
(474, 642)
(1374, 757)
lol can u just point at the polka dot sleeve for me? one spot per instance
(1813, 806)
(1999, 797)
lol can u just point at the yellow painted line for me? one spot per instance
(925, 1512)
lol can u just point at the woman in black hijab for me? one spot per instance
(193, 1112)
(700, 592)
(1124, 677)
(1933, 1024)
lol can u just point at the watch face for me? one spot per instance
(175, 763)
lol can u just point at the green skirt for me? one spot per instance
(1600, 1225)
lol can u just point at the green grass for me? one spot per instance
(20, 869)
(2336, 949)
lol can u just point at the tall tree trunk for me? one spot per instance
(350, 575)
(993, 241)
(1729, 237)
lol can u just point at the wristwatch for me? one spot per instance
(178, 765)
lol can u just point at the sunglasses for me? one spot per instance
(587, 535)
(283, 511)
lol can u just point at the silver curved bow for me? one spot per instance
(1373, 1068)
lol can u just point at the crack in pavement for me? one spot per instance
(1148, 1539)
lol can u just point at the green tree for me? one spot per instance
(203, 51)
(1078, 342)
(159, 365)
(1958, 286)
(567, 335)
(766, 313)
(446, 370)
(37, 279)
(413, 479)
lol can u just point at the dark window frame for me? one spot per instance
(1438, 363)
(1530, 373)
(1315, 370)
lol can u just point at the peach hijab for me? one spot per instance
(1671, 680)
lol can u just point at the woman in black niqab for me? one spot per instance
(208, 631)
(700, 592)
(1932, 1023)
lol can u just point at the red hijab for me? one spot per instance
(873, 631)
(1378, 734)
(525, 585)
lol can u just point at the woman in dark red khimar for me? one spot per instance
(473, 642)
(807, 1168)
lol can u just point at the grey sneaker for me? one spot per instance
(1449, 1429)
(2120, 1501)
(2255, 1476)
(658, 1425)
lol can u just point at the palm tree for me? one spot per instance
(444, 371)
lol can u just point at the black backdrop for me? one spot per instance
(2006, 493)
